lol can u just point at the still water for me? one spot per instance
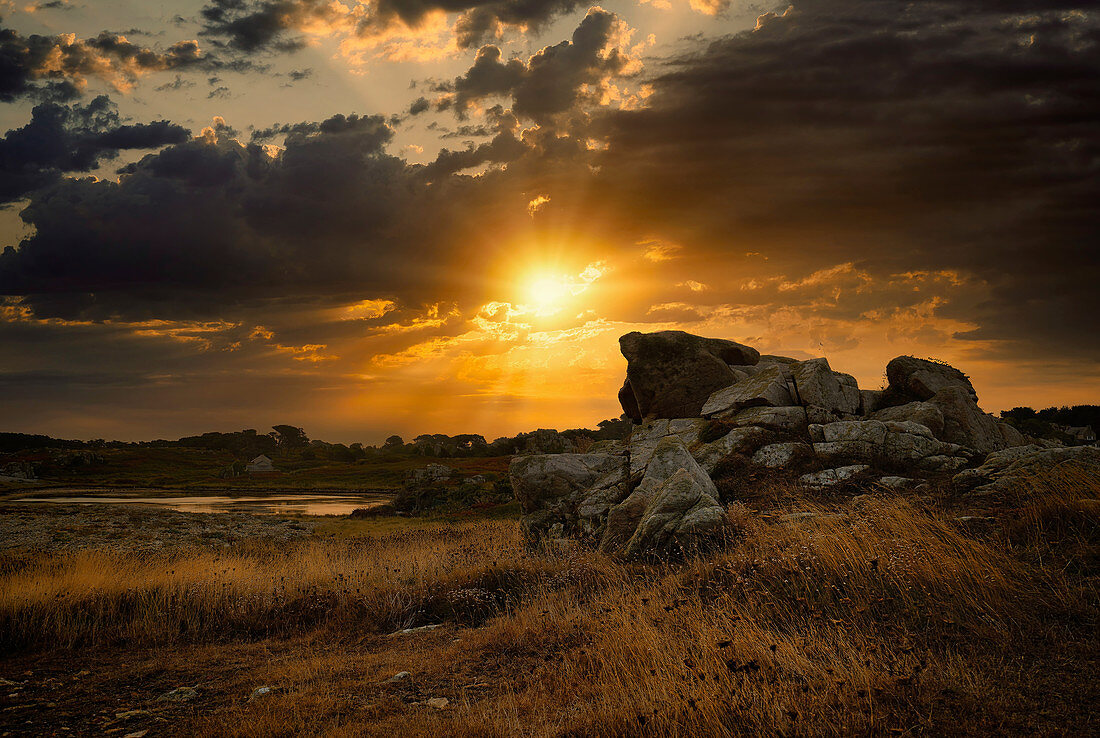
(268, 505)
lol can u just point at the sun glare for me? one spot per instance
(547, 292)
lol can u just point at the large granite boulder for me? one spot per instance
(818, 386)
(623, 519)
(964, 422)
(1011, 467)
(771, 387)
(924, 413)
(644, 438)
(566, 494)
(920, 379)
(738, 441)
(670, 374)
(682, 515)
(789, 419)
(891, 442)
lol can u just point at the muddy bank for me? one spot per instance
(58, 527)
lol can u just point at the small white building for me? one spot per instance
(260, 464)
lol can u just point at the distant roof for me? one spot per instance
(260, 458)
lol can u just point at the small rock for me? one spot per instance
(830, 477)
(131, 714)
(420, 629)
(262, 692)
(179, 694)
(398, 677)
(438, 703)
(795, 517)
(137, 734)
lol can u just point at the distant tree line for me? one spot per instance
(1050, 422)
(291, 440)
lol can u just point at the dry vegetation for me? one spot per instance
(873, 616)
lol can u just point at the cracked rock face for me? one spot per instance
(682, 513)
(670, 458)
(562, 494)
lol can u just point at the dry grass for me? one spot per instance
(873, 617)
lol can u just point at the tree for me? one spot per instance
(289, 436)
(394, 442)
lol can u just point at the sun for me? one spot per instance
(547, 291)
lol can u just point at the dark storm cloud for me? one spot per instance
(272, 25)
(204, 226)
(553, 80)
(943, 135)
(61, 139)
(56, 67)
(503, 148)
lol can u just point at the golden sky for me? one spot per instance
(368, 218)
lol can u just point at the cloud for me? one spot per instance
(77, 138)
(210, 221)
(253, 26)
(554, 81)
(931, 136)
(58, 67)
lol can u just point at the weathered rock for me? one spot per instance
(645, 437)
(1009, 468)
(179, 694)
(818, 385)
(790, 419)
(829, 477)
(869, 431)
(781, 454)
(553, 489)
(682, 514)
(624, 518)
(671, 373)
(895, 482)
(941, 462)
(429, 474)
(770, 387)
(965, 424)
(921, 379)
(890, 442)
(870, 401)
(909, 443)
(924, 413)
(908, 426)
(265, 691)
(834, 451)
(398, 677)
(628, 402)
(737, 441)
(773, 359)
(1011, 436)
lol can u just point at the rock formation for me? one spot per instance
(698, 402)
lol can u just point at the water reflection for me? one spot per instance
(268, 505)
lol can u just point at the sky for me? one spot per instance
(438, 216)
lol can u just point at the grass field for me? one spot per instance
(199, 469)
(872, 616)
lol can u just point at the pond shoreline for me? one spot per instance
(51, 528)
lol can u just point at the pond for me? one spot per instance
(279, 504)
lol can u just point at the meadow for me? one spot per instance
(868, 615)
